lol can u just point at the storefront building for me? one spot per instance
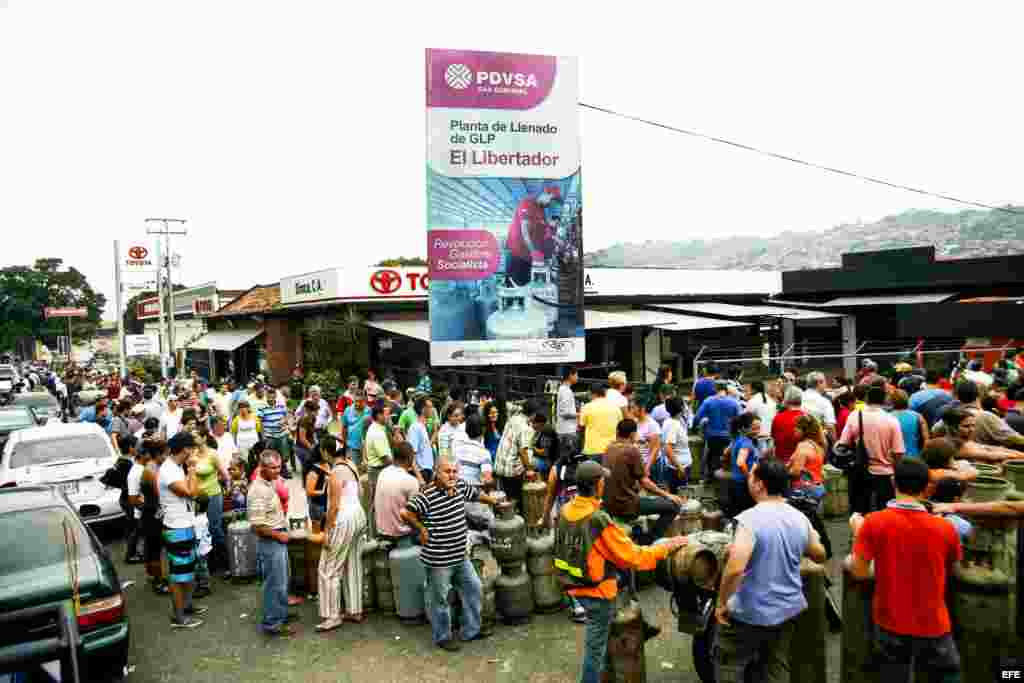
(191, 309)
(906, 299)
(627, 325)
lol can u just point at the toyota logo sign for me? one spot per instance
(386, 281)
(138, 253)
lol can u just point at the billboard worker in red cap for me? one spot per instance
(530, 233)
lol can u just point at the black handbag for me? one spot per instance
(851, 459)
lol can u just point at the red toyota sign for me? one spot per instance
(386, 281)
(138, 253)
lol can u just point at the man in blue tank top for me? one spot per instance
(762, 592)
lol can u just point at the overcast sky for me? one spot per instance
(291, 135)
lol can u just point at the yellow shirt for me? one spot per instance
(599, 418)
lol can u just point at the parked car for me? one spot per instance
(9, 383)
(71, 457)
(43, 403)
(41, 539)
(13, 418)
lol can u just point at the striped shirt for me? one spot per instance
(444, 517)
(273, 422)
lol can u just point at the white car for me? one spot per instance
(70, 456)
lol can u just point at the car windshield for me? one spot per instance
(81, 447)
(45, 526)
(36, 400)
(12, 419)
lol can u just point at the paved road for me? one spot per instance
(228, 647)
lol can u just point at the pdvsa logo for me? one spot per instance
(458, 76)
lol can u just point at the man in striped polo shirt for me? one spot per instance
(273, 418)
(439, 514)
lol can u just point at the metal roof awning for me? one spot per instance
(417, 328)
(224, 340)
(881, 300)
(741, 312)
(690, 323)
(595, 319)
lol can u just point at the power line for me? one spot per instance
(802, 162)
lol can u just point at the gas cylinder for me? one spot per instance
(485, 564)
(534, 493)
(547, 589)
(382, 578)
(312, 564)
(514, 594)
(364, 493)
(837, 496)
(297, 559)
(702, 559)
(983, 605)
(408, 577)
(369, 586)
(688, 521)
(488, 608)
(241, 550)
(626, 660)
(509, 534)
(540, 549)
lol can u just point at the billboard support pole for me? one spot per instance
(69, 342)
(117, 298)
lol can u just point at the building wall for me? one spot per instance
(283, 346)
(185, 329)
(904, 269)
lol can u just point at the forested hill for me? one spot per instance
(954, 235)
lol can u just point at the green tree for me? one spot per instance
(401, 262)
(70, 288)
(23, 295)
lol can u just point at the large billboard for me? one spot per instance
(504, 209)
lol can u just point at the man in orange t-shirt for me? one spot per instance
(611, 548)
(913, 551)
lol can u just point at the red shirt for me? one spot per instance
(912, 551)
(784, 433)
(530, 213)
(841, 418)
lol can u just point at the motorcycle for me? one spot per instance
(694, 605)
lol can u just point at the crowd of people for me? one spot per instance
(429, 467)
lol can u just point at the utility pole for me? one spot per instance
(167, 232)
(160, 300)
(120, 311)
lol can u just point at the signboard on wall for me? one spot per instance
(358, 284)
(142, 345)
(504, 209)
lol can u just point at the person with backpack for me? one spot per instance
(588, 550)
(561, 490)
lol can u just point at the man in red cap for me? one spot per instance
(529, 233)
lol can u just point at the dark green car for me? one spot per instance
(43, 545)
